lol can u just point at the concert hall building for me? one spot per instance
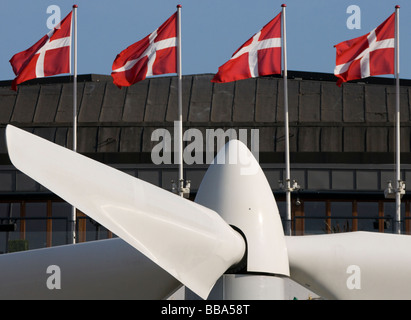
(342, 145)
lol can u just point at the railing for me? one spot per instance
(41, 232)
(19, 233)
(345, 224)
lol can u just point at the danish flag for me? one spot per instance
(153, 55)
(369, 55)
(259, 56)
(47, 57)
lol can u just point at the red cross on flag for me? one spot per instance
(47, 57)
(259, 56)
(153, 55)
(369, 55)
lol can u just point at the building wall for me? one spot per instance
(341, 142)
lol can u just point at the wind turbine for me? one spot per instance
(232, 230)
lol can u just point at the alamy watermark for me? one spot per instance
(202, 149)
(354, 280)
(354, 20)
(54, 280)
(54, 19)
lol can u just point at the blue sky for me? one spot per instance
(211, 29)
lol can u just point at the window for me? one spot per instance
(4, 218)
(36, 224)
(14, 215)
(61, 213)
(368, 216)
(316, 216)
(341, 217)
(45, 223)
(390, 216)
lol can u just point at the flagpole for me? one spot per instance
(74, 215)
(397, 129)
(180, 104)
(286, 131)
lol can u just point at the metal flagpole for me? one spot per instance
(399, 186)
(180, 104)
(73, 215)
(286, 133)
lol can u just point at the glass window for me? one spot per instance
(15, 213)
(61, 213)
(36, 224)
(282, 209)
(367, 216)
(315, 217)
(389, 216)
(4, 213)
(341, 216)
(4, 210)
(95, 231)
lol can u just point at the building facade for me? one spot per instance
(342, 145)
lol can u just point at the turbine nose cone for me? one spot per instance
(236, 187)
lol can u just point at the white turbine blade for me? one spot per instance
(105, 269)
(191, 242)
(352, 265)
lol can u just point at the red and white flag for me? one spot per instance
(369, 55)
(49, 56)
(153, 55)
(259, 56)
